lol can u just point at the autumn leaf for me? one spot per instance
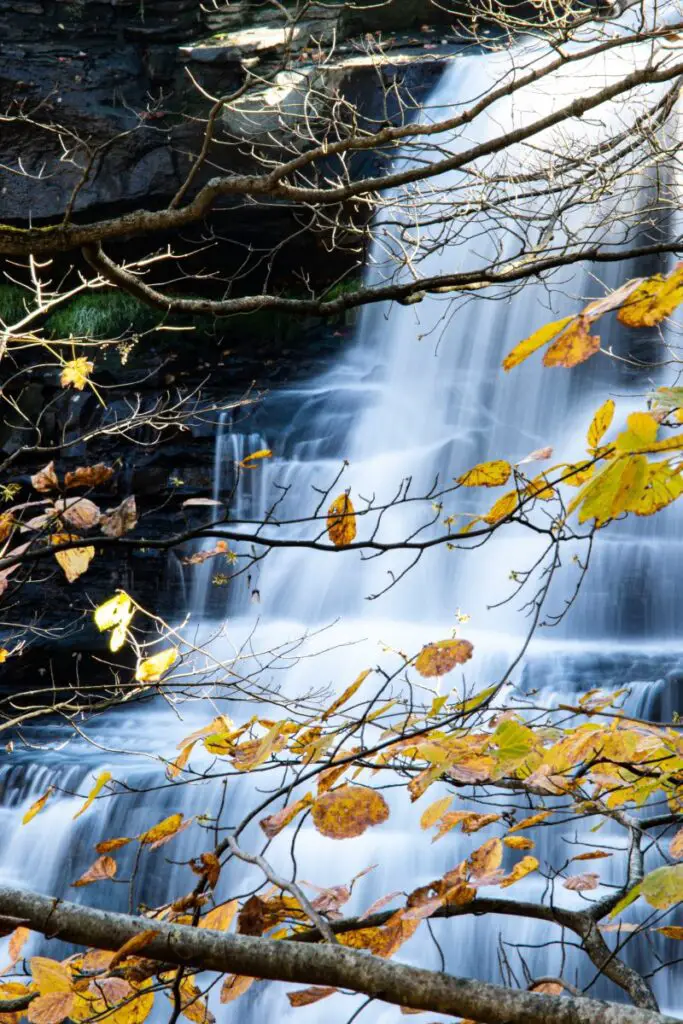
(486, 474)
(115, 614)
(220, 918)
(79, 512)
(234, 986)
(89, 476)
(74, 561)
(548, 988)
(348, 811)
(120, 520)
(51, 1008)
(341, 521)
(541, 337)
(274, 823)
(209, 866)
(676, 845)
(582, 883)
(655, 299)
(440, 657)
(487, 859)
(600, 424)
(247, 462)
(346, 695)
(592, 855)
(379, 904)
(132, 947)
(107, 845)
(152, 669)
(503, 508)
(524, 867)
(162, 832)
(671, 931)
(193, 1006)
(435, 811)
(663, 887)
(102, 779)
(37, 807)
(306, 996)
(76, 372)
(574, 345)
(102, 870)
(45, 479)
(519, 843)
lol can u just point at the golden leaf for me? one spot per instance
(348, 811)
(671, 931)
(79, 512)
(51, 1008)
(99, 1002)
(120, 520)
(89, 476)
(519, 842)
(535, 819)
(107, 845)
(641, 432)
(306, 996)
(75, 561)
(115, 614)
(486, 474)
(103, 869)
(45, 479)
(37, 807)
(152, 669)
(524, 867)
(132, 947)
(435, 811)
(234, 986)
(440, 657)
(341, 521)
(487, 859)
(618, 488)
(175, 767)
(274, 823)
(163, 831)
(383, 941)
(49, 975)
(663, 486)
(592, 855)
(654, 300)
(347, 694)
(220, 918)
(193, 1006)
(663, 887)
(503, 508)
(263, 453)
(541, 337)
(17, 942)
(600, 423)
(102, 779)
(76, 372)
(574, 345)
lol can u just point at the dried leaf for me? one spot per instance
(347, 694)
(671, 931)
(274, 823)
(582, 883)
(120, 520)
(348, 811)
(436, 659)
(341, 521)
(102, 779)
(17, 942)
(548, 988)
(74, 561)
(51, 1008)
(200, 502)
(655, 299)
(89, 476)
(107, 845)
(541, 337)
(487, 859)
(45, 479)
(163, 831)
(132, 947)
(574, 345)
(37, 807)
(79, 512)
(537, 455)
(152, 669)
(379, 904)
(234, 986)
(76, 372)
(103, 869)
(592, 855)
(209, 866)
(306, 996)
(486, 474)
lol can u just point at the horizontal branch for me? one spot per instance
(307, 964)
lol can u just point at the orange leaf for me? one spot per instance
(37, 807)
(574, 345)
(133, 946)
(274, 823)
(88, 476)
(45, 479)
(103, 868)
(107, 845)
(341, 521)
(436, 659)
(220, 918)
(348, 811)
(676, 845)
(486, 859)
(306, 996)
(235, 985)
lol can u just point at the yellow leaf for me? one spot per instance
(535, 819)
(341, 521)
(663, 485)
(152, 669)
(348, 811)
(641, 432)
(486, 474)
(487, 859)
(220, 918)
(107, 845)
(132, 947)
(435, 811)
(672, 931)
(654, 300)
(163, 831)
(234, 986)
(503, 508)
(193, 1007)
(347, 694)
(175, 767)
(600, 424)
(663, 887)
(574, 345)
(115, 614)
(49, 975)
(440, 657)
(541, 337)
(519, 843)
(102, 870)
(102, 779)
(76, 372)
(75, 561)
(520, 870)
(263, 453)
(37, 807)
(618, 488)
(100, 1001)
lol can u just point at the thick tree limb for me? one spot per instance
(321, 965)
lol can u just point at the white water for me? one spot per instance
(398, 405)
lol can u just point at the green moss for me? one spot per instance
(102, 314)
(12, 304)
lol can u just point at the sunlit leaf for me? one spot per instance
(348, 811)
(152, 669)
(341, 521)
(535, 819)
(641, 431)
(503, 508)
(73, 561)
(663, 887)
(541, 337)
(102, 779)
(37, 807)
(519, 843)
(654, 300)
(51, 1008)
(263, 453)
(49, 975)
(162, 832)
(102, 870)
(486, 474)
(89, 476)
(75, 373)
(115, 614)
(487, 859)
(45, 479)
(440, 657)
(220, 918)
(108, 845)
(663, 485)
(574, 345)
(435, 811)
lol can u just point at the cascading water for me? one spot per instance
(420, 394)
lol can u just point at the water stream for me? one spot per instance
(420, 394)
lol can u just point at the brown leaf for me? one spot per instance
(234, 986)
(306, 996)
(209, 866)
(348, 811)
(341, 521)
(103, 869)
(79, 512)
(89, 476)
(45, 479)
(379, 904)
(548, 988)
(120, 520)
(274, 823)
(132, 947)
(592, 855)
(17, 942)
(676, 845)
(436, 659)
(487, 859)
(107, 845)
(582, 883)
(51, 1008)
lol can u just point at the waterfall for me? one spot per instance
(420, 394)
